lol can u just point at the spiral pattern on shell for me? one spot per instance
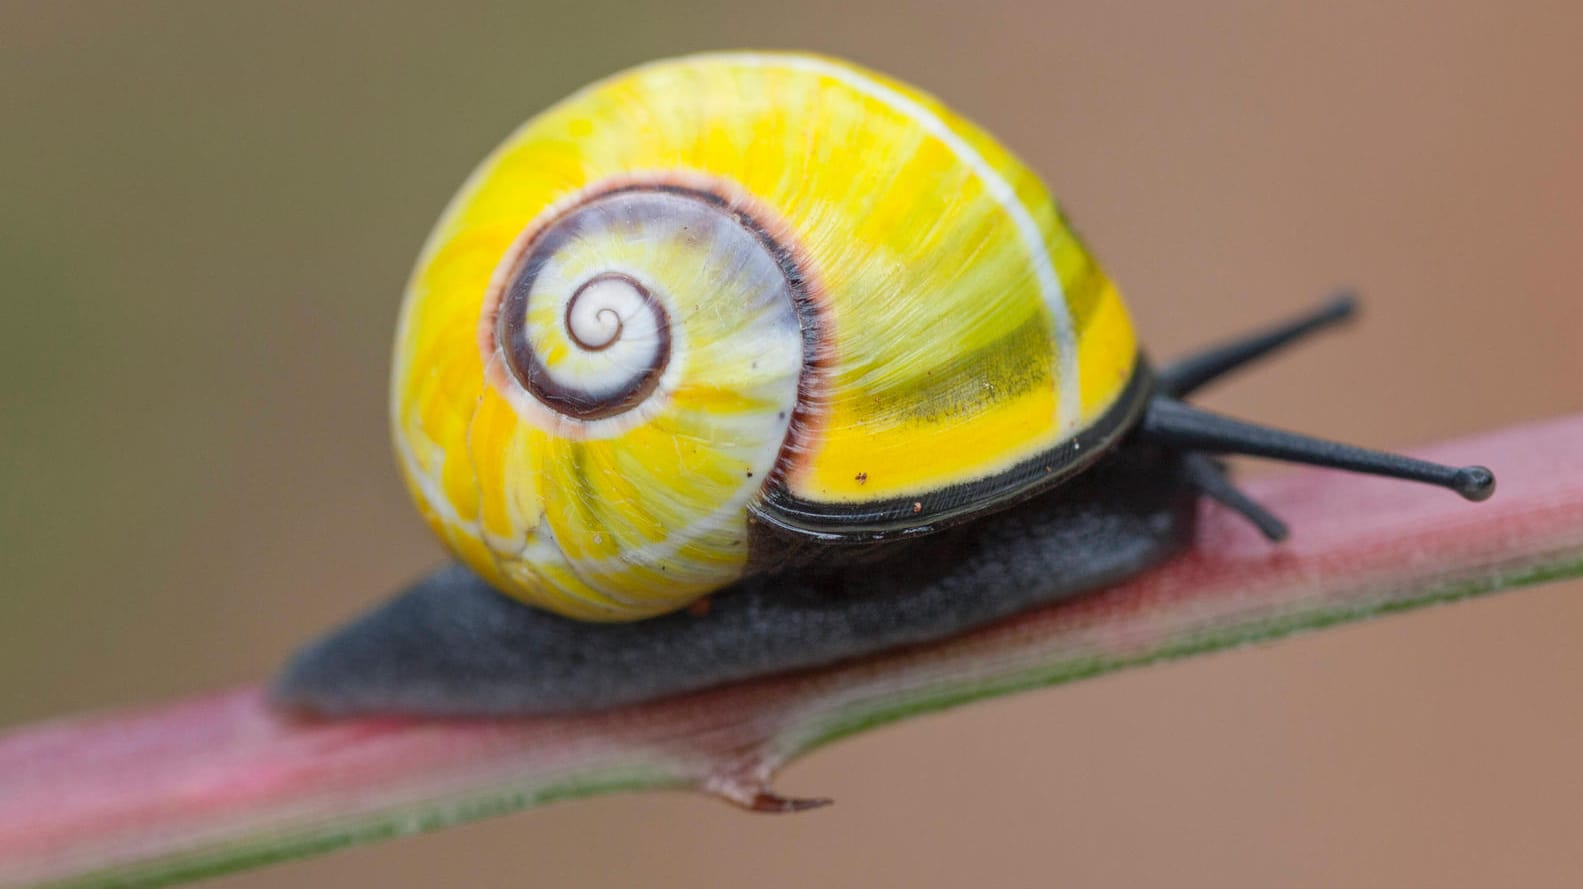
(595, 324)
(644, 345)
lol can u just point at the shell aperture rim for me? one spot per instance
(839, 522)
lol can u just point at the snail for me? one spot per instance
(742, 363)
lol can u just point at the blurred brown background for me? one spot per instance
(207, 212)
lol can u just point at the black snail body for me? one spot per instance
(683, 425)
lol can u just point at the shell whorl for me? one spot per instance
(590, 307)
(591, 348)
(595, 320)
(644, 344)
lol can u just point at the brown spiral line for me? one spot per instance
(605, 313)
(531, 372)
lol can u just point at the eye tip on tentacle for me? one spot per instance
(1475, 483)
(1343, 306)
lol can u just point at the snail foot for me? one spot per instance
(451, 645)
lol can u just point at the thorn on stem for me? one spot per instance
(754, 794)
(770, 801)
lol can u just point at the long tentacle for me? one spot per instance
(1186, 375)
(1177, 425)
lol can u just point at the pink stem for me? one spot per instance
(219, 782)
